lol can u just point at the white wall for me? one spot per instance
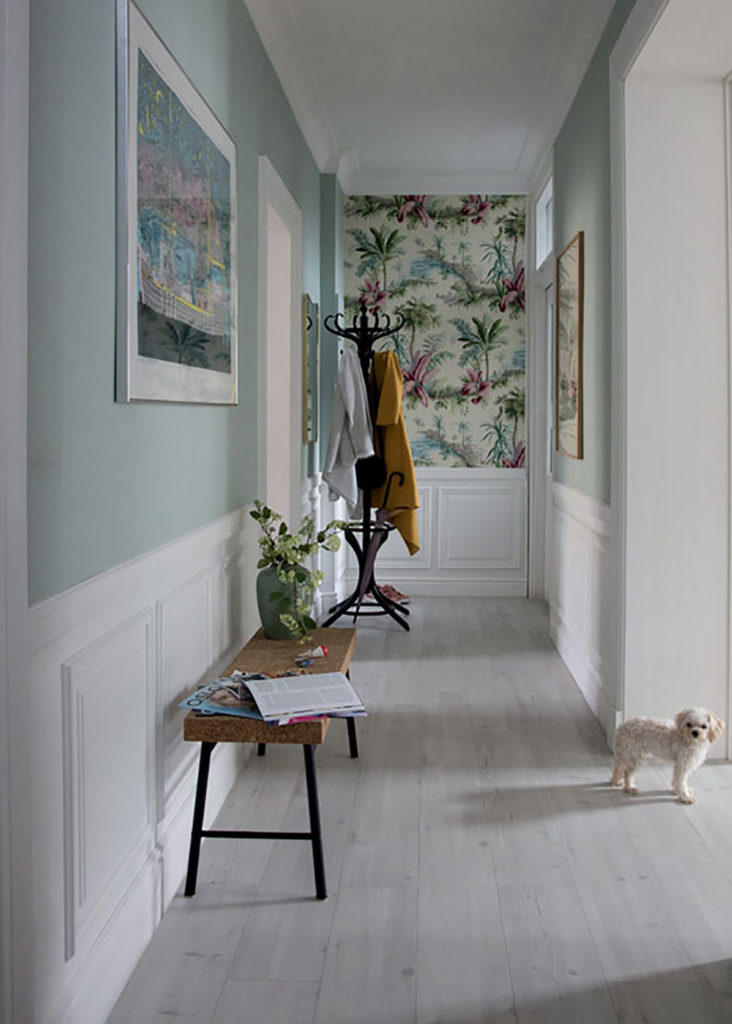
(472, 532)
(676, 601)
(109, 793)
(579, 594)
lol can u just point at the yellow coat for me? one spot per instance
(392, 443)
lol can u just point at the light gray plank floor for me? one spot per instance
(479, 868)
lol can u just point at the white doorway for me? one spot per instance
(540, 259)
(671, 350)
(279, 357)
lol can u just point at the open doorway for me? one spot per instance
(671, 352)
(280, 247)
(541, 261)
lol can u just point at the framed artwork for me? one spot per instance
(176, 230)
(310, 369)
(568, 349)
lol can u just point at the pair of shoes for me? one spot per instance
(394, 595)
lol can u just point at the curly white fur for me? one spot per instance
(684, 742)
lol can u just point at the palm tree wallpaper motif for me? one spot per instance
(453, 266)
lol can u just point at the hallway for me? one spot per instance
(479, 868)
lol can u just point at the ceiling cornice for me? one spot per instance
(439, 184)
(277, 30)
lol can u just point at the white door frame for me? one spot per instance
(537, 382)
(14, 737)
(630, 42)
(274, 194)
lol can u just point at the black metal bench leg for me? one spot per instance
(352, 741)
(315, 834)
(198, 810)
(261, 749)
(351, 725)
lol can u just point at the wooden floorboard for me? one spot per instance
(480, 870)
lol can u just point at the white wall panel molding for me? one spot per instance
(108, 715)
(579, 595)
(110, 790)
(586, 511)
(484, 527)
(472, 528)
(185, 635)
(85, 607)
(393, 554)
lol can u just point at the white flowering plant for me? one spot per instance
(286, 552)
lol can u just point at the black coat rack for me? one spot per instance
(373, 534)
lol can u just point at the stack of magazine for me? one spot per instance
(278, 700)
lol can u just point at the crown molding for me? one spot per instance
(276, 27)
(450, 184)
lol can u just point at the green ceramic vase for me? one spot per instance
(268, 583)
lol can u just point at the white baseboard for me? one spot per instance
(111, 791)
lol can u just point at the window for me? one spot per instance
(545, 223)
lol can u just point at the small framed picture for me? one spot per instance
(568, 349)
(310, 370)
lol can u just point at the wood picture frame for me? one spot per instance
(568, 388)
(310, 369)
(177, 337)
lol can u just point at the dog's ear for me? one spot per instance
(716, 725)
(679, 720)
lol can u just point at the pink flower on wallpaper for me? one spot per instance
(518, 460)
(416, 377)
(372, 296)
(475, 207)
(473, 384)
(514, 286)
(413, 205)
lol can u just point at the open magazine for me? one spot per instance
(278, 700)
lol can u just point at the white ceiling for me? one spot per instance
(430, 96)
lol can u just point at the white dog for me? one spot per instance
(684, 742)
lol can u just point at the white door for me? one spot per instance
(280, 345)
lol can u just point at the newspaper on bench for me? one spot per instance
(232, 695)
(317, 693)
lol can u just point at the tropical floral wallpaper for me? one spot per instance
(453, 267)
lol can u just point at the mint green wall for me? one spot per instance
(108, 482)
(582, 203)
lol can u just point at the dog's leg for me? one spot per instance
(617, 779)
(629, 784)
(684, 793)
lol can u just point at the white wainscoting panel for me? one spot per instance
(580, 622)
(108, 718)
(473, 536)
(185, 636)
(110, 796)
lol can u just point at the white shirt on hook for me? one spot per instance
(351, 435)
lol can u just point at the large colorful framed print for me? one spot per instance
(568, 349)
(176, 230)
